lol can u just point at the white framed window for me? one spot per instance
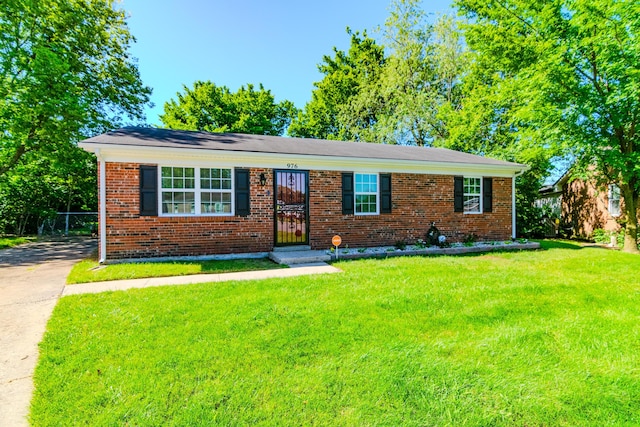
(211, 193)
(614, 200)
(472, 194)
(215, 195)
(366, 194)
(178, 196)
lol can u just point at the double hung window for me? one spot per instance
(472, 195)
(366, 194)
(196, 191)
(178, 191)
(215, 195)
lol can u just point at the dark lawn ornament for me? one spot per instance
(433, 235)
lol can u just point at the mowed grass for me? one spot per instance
(9, 242)
(545, 338)
(91, 271)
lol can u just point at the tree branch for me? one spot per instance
(22, 149)
(538, 34)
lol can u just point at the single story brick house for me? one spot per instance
(179, 193)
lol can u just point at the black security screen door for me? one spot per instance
(291, 208)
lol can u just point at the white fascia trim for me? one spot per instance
(197, 157)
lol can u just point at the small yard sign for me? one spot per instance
(335, 241)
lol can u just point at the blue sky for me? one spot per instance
(235, 42)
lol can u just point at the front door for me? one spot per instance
(292, 208)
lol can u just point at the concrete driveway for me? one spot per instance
(32, 278)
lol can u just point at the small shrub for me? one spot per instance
(470, 239)
(604, 237)
(420, 244)
(601, 236)
(401, 245)
(362, 250)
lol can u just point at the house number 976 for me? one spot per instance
(292, 165)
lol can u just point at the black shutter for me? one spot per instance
(148, 190)
(458, 194)
(385, 193)
(242, 192)
(487, 195)
(347, 193)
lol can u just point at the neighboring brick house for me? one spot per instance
(582, 206)
(179, 193)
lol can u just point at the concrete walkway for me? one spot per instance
(32, 278)
(120, 285)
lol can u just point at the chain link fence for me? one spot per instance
(70, 224)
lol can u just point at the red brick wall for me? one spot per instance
(130, 235)
(417, 201)
(585, 208)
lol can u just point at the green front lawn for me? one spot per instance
(545, 338)
(91, 271)
(9, 242)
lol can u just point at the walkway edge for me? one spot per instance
(121, 285)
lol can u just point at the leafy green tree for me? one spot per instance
(575, 66)
(419, 76)
(65, 73)
(212, 108)
(331, 113)
(26, 197)
(40, 186)
(490, 120)
(391, 93)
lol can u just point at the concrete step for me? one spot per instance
(299, 257)
(295, 248)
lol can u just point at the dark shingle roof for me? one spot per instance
(153, 137)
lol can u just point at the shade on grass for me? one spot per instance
(532, 338)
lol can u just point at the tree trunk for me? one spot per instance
(66, 220)
(21, 225)
(631, 232)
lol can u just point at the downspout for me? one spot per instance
(513, 203)
(102, 212)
